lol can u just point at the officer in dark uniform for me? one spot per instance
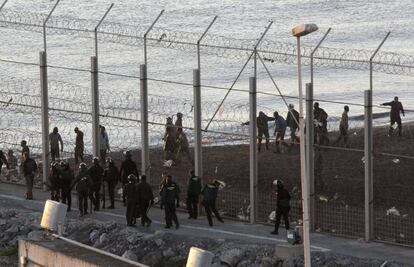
(131, 195)
(128, 167)
(282, 206)
(96, 173)
(170, 194)
(396, 109)
(209, 192)
(54, 181)
(146, 198)
(66, 178)
(29, 168)
(83, 184)
(111, 177)
(193, 193)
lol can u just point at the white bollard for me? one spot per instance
(53, 216)
(199, 258)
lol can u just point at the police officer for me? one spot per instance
(83, 184)
(131, 195)
(170, 195)
(193, 193)
(282, 206)
(29, 168)
(54, 181)
(146, 198)
(128, 167)
(209, 192)
(96, 173)
(111, 177)
(67, 177)
(396, 109)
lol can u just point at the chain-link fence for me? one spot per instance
(339, 163)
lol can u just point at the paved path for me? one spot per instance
(12, 196)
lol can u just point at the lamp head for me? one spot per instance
(304, 29)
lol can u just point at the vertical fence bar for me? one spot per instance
(309, 152)
(198, 160)
(2, 5)
(95, 106)
(146, 34)
(45, 117)
(253, 149)
(144, 121)
(369, 205)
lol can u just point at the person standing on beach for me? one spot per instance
(292, 121)
(343, 127)
(55, 139)
(396, 109)
(79, 145)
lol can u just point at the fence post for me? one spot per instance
(369, 205)
(95, 106)
(253, 150)
(310, 152)
(144, 121)
(198, 160)
(45, 117)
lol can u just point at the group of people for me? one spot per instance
(175, 141)
(320, 122)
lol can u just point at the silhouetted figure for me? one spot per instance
(282, 206)
(343, 127)
(79, 146)
(292, 121)
(193, 194)
(55, 139)
(210, 192)
(395, 117)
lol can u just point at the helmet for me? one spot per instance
(23, 143)
(82, 165)
(179, 115)
(62, 163)
(132, 177)
(109, 160)
(53, 164)
(95, 159)
(127, 154)
(278, 182)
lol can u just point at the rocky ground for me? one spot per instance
(155, 248)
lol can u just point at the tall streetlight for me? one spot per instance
(299, 31)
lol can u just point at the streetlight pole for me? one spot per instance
(299, 31)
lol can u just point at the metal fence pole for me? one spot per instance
(369, 211)
(95, 106)
(2, 5)
(253, 149)
(145, 165)
(44, 25)
(309, 152)
(97, 27)
(198, 156)
(45, 117)
(146, 34)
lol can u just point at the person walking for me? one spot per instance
(182, 147)
(193, 194)
(67, 178)
(292, 121)
(280, 130)
(103, 143)
(131, 196)
(29, 167)
(128, 167)
(79, 145)
(170, 195)
(55, 139)
(96, 173)
(146, 199)
(262, 129)
(343, 128)
(111, 177)
(395, 117)
(83, 184)
(282, 206)
(209, 193)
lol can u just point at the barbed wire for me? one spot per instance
(272, 51)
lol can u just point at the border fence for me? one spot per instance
(217, 135)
